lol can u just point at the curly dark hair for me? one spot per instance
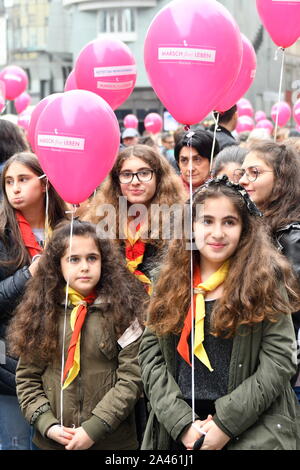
(251, 290)
(34, 329)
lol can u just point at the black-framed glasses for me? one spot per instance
(252, 173)
(143, 176)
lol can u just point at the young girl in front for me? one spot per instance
(244, 344)
(24, 226)
(101, 382)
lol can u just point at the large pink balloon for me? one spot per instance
(192, 55)
(244, 123)
(153, 123)
(71, 82)
(77, 139)
(15, 79)
(265, 124)
(35, 116)
(284, 113)
(296, 111)
(281, 18)
(244, 79)
(107, 67)
(131, 121)
(22, 101)
(244, 107)
(260, 115)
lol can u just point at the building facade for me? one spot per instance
(44, 37)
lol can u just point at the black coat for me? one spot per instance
(12, 286)
(288, 242)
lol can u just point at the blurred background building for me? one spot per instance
(45, 36)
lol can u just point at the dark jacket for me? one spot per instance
(224, 137)
(288, 242)
(260, 410)
(12, 286)
(101, 398)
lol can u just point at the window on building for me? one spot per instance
(117, 20)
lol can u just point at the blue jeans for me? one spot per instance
(15, 432)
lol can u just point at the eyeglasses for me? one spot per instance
(143, 176)
(252, 173)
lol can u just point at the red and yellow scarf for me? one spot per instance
(78, 314)
(27, 235)
(134, 252)
(200, 289)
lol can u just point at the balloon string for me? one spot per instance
(216, 119)
(65, 318)
(190, 135)
(280, 88)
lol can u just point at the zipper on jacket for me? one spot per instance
(80, 399)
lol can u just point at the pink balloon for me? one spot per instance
(22, 101)
(281, 18)
(296, 111)
(244, 123)
(244, 107)
(24, 120)
(71, 82)
(265, 124)
(131, 121)
(192, 55)
(77, 139)
(153, 123)
(259, 115)
(244, 79)
(284, 113)
(15, 79)
(107, 67)
(35, 116)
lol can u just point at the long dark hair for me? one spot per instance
(283, 204)
(169, 188)
(34, 330)
(9, 228)
(251, 291)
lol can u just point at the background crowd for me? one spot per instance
(96, 342)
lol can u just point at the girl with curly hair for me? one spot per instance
(97, 327)
(144, 180)
(229, 380)
(271, 174)
(24, 226)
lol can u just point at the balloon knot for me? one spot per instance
(187, 127)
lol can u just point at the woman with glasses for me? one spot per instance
(140, 179)
(271, 175)
(193, 154)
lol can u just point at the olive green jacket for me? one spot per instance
(102, 397)
(260, 410)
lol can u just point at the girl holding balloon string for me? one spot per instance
(97, 328)
(23, 229)
(144, 178)
(242, 352)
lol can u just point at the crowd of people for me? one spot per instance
(164, 314)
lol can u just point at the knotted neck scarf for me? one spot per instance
(78, 314)
(134, 252)
(27, 235)
(200, 289)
